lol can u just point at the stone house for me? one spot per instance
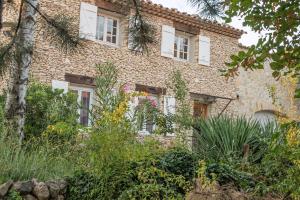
(197, 48)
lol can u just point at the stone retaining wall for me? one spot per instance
(35, 190)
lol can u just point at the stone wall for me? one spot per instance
(153, 69)
(259, 91)
(34, 190)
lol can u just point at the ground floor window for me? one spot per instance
(85, 100)
(146, 104)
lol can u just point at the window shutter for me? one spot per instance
(167, 41)
(88, 21)
(170, 108)
(169, 105)
(62, 85)
(204, 50)
(131, 108)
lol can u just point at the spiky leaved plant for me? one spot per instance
(231, 139)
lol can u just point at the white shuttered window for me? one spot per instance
(88, 21)
(167, 41)
(204, 50)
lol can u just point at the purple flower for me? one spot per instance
(126, 88)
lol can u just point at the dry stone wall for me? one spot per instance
(34, 190)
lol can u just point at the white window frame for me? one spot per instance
(178, 48)
(104, 41)
(144, 131)
(80, 90)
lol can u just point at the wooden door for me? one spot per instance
(200, 109)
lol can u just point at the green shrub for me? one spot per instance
(117, 166)
(226, 175)
(27, 162)
(13, 195)
(47, 107)
(280, 167)
(231, 139)
(83, 186)
(60, 133)
(153, 175)
(151, 192)
(179, 161)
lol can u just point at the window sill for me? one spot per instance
(105, 43)
(181, 60)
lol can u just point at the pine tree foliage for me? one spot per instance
(141, 31)
(210, 9)
(58, 29)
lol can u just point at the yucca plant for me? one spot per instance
(231, 139)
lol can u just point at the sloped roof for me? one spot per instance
(191, 20)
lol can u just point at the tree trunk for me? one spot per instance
(1, 13)
(19, 75)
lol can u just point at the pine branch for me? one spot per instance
(141, 31)
(59, 30)
(210, 9)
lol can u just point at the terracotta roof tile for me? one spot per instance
(189, 19)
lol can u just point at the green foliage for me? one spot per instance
(110, 99)
(209, 8)
(231, 140)
(280, 45)
(227, 175)
(47, 107)
(154, 183)
(13, 195)
(183, 117)
(60, 31)
(142, 33)
(280, 166)
(151, 192)
(179, 161)
(141, 172)
(60, 133)
(83, 186)
(32, 161)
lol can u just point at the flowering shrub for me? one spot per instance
(60, 133)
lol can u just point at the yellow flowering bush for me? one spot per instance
(293, 137)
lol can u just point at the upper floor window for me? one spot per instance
(181, 48)
(107, 29)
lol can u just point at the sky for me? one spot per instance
(182, 5)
